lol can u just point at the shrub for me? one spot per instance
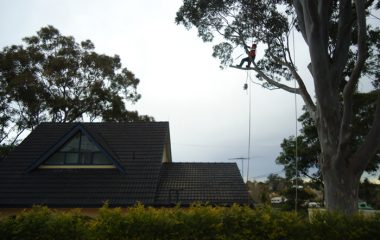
(110, 224)
(196, 222)
(41, 223)
(337, 226)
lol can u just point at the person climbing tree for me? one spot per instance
(250, 58)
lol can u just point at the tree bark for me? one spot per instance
(341, 189)
(340, 165)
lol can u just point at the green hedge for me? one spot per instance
(196, 222)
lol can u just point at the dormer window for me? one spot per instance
(76, 152)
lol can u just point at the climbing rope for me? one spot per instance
(249, 121)
(296, 124)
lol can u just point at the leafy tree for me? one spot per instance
(308, 147)
(307, 151)
(276, 182)
(53, 78)
(370, 193)
(258, 191)
(342, 47)
(304, 195)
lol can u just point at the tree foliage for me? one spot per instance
(308, 146)
(276, 183)
(52, 77)
(343, 50)
(370, 192)
(195, 222)
(240, 23)
(270, 23)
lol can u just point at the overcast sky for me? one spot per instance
(180, 81)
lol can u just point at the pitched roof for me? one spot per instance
(216, 183)
(138, 147)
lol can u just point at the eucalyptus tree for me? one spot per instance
(308, 146)
(338, 38)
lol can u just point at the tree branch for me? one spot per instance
(302, 88)
(371, 142)
(312, 17)
(269, 80)
(301, 19)
(288, 51)
(343, 39)
(17, 136)
(308, 101)
(349, 89)
(317, 179)
(324, 7)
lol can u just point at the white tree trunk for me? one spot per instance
(341, 166)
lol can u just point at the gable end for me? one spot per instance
(78, 128)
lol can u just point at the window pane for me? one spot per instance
(72, 145)
(99, 159)
(85, 158)
(56, 159)
(87, 146)
(73, 154)
(72, 158)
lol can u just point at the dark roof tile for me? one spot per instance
(138, 147)
(217, 183)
